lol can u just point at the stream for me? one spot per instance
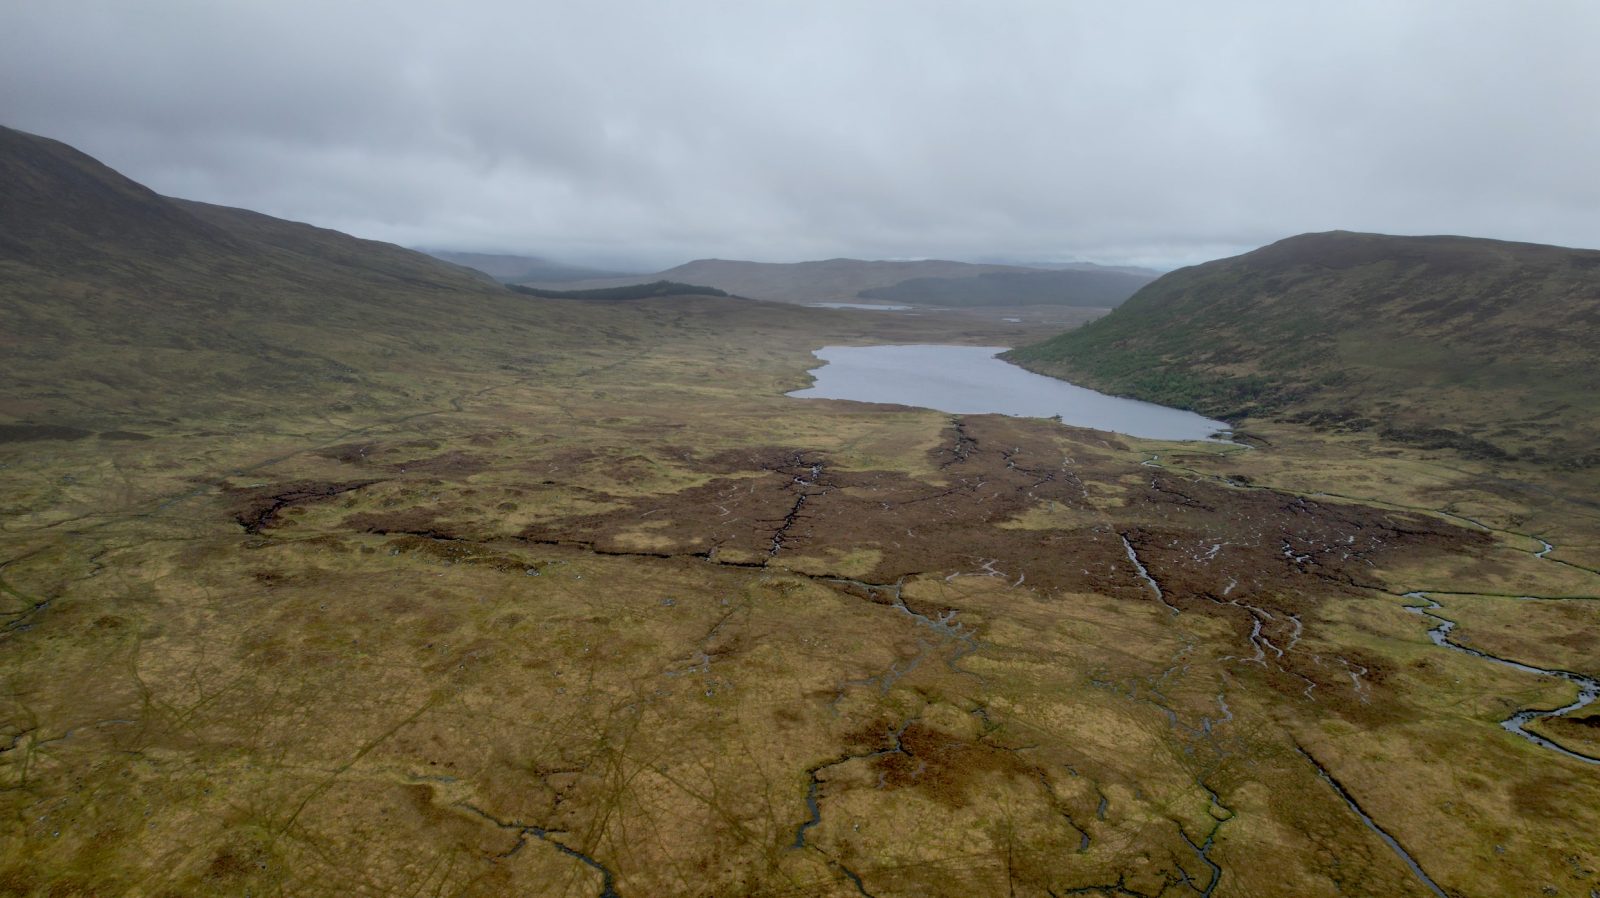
(1588, 687)
(1144, 574)
(1517, 723)
(1366, 819)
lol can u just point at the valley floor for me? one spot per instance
(623, 620)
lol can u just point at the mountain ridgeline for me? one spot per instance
(1481, 345)
(1088, 289)
(930, 282)
(652, 290)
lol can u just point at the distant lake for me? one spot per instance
(969, 380)
(874, 307)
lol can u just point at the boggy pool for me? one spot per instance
(969, 380)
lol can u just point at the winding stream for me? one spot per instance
(1517, 723)
(1588, 687)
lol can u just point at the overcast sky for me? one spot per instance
(650, 133)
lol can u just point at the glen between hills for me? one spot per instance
(923, 282)
(329, 568)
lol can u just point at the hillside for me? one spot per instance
(1068, 287)
(119, 305)
(1480, 344)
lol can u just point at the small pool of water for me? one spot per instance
(969, 380)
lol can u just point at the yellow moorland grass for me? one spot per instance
(538, 639)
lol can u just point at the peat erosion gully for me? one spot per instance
(1366, 819)
(608, 879)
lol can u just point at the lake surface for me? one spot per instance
(969, 380)
(872, 307)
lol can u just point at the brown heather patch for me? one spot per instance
(1273, 547)
(947, 767)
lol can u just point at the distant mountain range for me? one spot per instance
(1482, 345)
(510, 269)
(1089, 288)
(922, 282)
(1152, 273)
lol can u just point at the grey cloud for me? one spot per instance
(649, 132)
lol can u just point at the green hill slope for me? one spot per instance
(1484, 345)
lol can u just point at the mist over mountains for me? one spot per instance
(513, 269)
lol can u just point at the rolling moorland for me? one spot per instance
(328, 568)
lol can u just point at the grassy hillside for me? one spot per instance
(1480, 344)
(1090, 289)
(119, 306)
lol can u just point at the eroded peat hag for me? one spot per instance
(259, 506)
(1001, 500)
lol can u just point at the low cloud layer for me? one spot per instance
(649, 133)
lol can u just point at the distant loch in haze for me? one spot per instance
(871, 307)
(969, 380)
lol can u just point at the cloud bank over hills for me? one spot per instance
(640, 135)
